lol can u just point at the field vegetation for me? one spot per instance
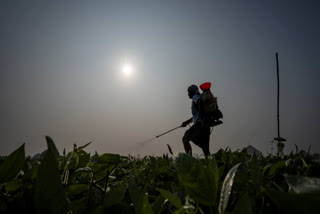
(225, 182)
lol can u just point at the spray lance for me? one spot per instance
(168, 131)
(142, 143)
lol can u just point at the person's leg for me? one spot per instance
(189, 135)
(197, 135)
(186, 144)
(204, 140)
(206, 150)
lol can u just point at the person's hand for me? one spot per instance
(184, 124)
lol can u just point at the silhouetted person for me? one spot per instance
(198, 133)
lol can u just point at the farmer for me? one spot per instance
(198, 133)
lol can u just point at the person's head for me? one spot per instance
(193, 90)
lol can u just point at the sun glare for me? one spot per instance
(127, 70)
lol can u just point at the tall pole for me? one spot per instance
(280, 140)
(278, 97)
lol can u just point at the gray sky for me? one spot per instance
(60, 72)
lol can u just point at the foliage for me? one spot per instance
(225, 182)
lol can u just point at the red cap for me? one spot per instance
(205, 86)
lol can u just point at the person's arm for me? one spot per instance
(185, 123)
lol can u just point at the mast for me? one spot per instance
(279, 139)
(278, 95)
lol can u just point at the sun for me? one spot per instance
(127, 70)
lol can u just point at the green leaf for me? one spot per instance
(77, 160)
(84, 158)
(85, 173)
(78, 205)
(292, 203)
(84, 169)
(49, 192)
(82, 147)
(266, 169)
(109, 159)
(76, 189)
(157, 205)
(170, 150)
(12, 185)
(140, 199)
(226, 189)
(297, 148)
(304, 162)
(31, 174)
(276, 168)
(288, 162)
(214, 169)
(3, 207)
(175, 200)
(102, 170)
(12, 164)
(244, 205)
(302, 184)
(115, 195)
(52, 147)
(199, 181)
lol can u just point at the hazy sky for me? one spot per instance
(61, 72)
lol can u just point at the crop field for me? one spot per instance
(225, 182)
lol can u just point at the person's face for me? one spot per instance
(190, 95)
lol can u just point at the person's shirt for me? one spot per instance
(194, 108)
